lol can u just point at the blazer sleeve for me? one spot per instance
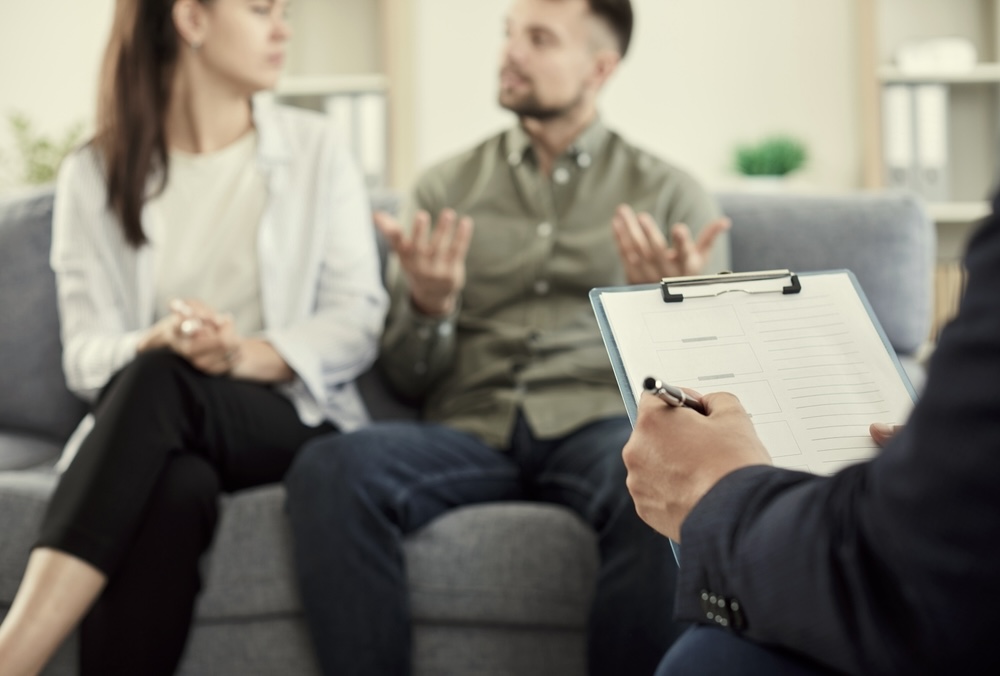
(889, 566)
(95, 282)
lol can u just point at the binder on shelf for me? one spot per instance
(931, 115)
(360, 122)
(340, 108)
(899, 137)
(371, 111)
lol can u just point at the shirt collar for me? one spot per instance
(587, 146)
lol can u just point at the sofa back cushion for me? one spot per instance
(885, 239)
(33, 394)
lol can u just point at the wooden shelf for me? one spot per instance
(958, 212)
(323, 85)
(982, 73)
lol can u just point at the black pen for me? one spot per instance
(674, 396)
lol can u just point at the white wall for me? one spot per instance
(334, 36)
(50, 54)
(702, 76)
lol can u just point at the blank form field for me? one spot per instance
(693, 325)
(709, 363)
(757, 397)
(779, 441)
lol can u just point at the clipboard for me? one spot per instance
(804, 352)
(680, 289)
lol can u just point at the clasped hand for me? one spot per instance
(647, 255)
(193, 330)
(433, 262)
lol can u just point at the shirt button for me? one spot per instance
(445, 329)
(561, 176)
(544, 229)
(514, 159)
(583, 160)
(541, 287)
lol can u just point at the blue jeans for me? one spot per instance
(353, 498)
(709, 650)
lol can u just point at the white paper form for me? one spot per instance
(810, 367)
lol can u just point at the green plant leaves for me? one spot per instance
(40, 155)
(773, 156)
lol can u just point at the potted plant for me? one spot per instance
(773, 157)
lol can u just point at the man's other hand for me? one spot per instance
(647, 255)
(433, 262)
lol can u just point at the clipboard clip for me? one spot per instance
(746, 282)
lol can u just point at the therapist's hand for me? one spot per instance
(648, 257)
(433, 262)
(675, 455)
(883, 433)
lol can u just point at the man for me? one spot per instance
(888, 567)
(492, 331)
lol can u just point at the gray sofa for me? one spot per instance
(495, 589)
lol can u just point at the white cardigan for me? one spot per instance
(322, 298)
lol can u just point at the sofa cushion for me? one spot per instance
(885, 239)
(23, 499)
(34, 397)
(21, 451)
(496, 564)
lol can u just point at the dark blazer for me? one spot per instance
(891, 566)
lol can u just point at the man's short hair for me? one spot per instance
(617, 14)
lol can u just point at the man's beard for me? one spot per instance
(529, 106)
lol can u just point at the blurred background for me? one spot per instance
(871, 93)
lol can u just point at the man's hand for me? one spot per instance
(675, 455)
(648, 257)
(434, 263)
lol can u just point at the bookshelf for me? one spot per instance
(981, 73)
(973, 97)
(355, 50)
(973, 117)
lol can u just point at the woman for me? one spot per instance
(219, 292)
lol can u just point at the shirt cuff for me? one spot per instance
(425, 326)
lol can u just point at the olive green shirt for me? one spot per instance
(525, 336)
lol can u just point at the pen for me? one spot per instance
(674, 396)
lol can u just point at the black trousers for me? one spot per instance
(140, 500)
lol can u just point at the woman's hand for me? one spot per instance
(208, 341)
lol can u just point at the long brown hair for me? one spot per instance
(132, 106)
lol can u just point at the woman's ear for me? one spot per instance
(190, 21)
